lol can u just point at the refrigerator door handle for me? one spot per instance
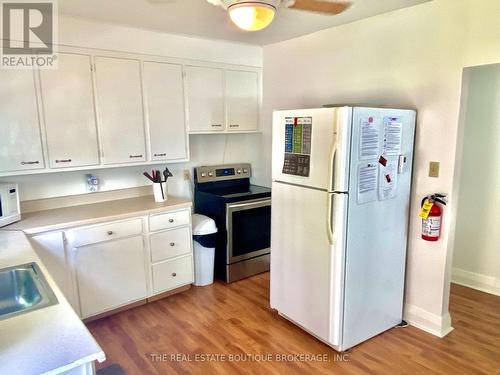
(330, 220)
(333, 155)
(333, 166)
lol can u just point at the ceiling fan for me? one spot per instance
(254, 15)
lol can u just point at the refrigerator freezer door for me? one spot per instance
(377, 229)
(302, 247)
(327, 158)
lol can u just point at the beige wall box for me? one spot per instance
(434, 169)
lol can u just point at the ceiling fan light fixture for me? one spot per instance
(251, 16)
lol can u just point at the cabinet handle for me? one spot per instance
(174, 274)
(163, 154)
(217, 125)
(170, 220)
(30, 162)
(234, 126)
(135, 156)
(63, 161)
(172, 244)
(110, 232)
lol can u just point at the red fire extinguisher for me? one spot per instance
(431, 215)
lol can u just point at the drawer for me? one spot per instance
(170, 243)
(106, 232)
(172, 274)
(169, 220)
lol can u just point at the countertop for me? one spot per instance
(54, 339)
(50, 340)
(67, 217)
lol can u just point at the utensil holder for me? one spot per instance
(157, 189)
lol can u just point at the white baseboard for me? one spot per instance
(434, 324)
(484, 283)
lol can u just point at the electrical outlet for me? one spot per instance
(434, 169)
(187, 175)
(92, 184)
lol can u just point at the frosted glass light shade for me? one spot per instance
(251, 16)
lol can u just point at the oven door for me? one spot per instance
(248, 226)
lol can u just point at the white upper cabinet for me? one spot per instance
(120, 109)
(164, 96)
(205, 95)
(20, 142)
(68, 104)
(242, 100)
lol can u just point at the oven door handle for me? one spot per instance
(249, 204)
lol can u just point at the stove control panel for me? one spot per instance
(222, 172)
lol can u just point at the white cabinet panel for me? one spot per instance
(164, 93)
(20, 142)
(205, 93)
(106, 232)
(169, 220)
(68, 104)
(242, 100)
(170, 243)
(50, 248)
(172, 274)
(110, 275)
(120, 108)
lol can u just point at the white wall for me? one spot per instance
(476, 259)
(205, 149)
(74, 31)
(409, 58)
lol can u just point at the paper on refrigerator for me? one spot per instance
(367, 182)
(393, 133)
(369, 145)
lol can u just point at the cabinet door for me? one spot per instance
(110, 275)
(20, 142)
(165, 111)
(50, 249)
(119, 103)
(68, 104)
(242, 100)
(205, 93)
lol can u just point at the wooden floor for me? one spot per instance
(236, 320)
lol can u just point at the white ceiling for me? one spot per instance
(201, 19)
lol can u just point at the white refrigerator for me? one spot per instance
(340, 204)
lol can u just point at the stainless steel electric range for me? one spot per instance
(242, 213)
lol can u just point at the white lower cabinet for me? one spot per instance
(110, 275)
(172, 274)
(114, 264)
(170, 243)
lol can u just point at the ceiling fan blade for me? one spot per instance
(319, 6)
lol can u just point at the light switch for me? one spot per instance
(434, 169)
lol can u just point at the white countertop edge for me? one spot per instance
(102, 219)
(100, 357)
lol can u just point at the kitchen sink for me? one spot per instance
(23, 289)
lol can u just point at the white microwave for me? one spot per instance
(9, 204)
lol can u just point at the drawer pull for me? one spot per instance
(63, 161)
(172, 244)
(110, 232)
(30, 162)
(170, 220)
(234, 126)
(217, 125)
(163, 154)
(174, 274)
(135, 156)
